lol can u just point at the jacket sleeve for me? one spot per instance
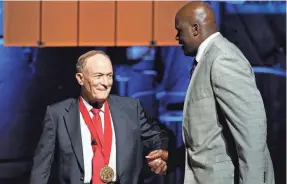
(44, 154)
(242, 105)
(152, 133)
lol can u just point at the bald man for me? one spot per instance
(224, 121)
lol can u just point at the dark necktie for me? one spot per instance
(193, 67)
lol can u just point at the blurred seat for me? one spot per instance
(122, 76)
(141, 80)
(171, 101)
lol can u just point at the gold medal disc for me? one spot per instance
(107, 174)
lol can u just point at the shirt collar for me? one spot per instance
(203, 46)
(89, 107)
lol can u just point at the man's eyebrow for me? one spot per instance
(101, 73)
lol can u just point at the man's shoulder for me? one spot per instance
(224, 54)
(62, 104)
(224, 48)
(122, 99)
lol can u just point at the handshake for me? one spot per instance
(157, 161)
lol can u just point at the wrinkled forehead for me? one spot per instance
(99, 63)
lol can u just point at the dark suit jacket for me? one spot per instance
(61, 141)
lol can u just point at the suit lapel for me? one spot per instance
(197, 73)
(120, 128)
(203, 60)
(72, 121)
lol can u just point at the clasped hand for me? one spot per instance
(157, 161)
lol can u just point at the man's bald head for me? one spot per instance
(194, 22)
(198, 12)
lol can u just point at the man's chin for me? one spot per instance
(185, 51)
(102, 98)
(189, 53)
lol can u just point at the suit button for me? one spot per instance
(82, 178)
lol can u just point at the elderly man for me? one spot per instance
(98, 138)
(224, 122)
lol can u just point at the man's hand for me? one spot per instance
(157, 161)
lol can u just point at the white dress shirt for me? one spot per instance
(87, 147)
(203, 46)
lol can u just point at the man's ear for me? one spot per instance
(195, 29)
(80, 78)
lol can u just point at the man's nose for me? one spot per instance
(104, 81)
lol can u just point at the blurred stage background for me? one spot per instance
(32, 78)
